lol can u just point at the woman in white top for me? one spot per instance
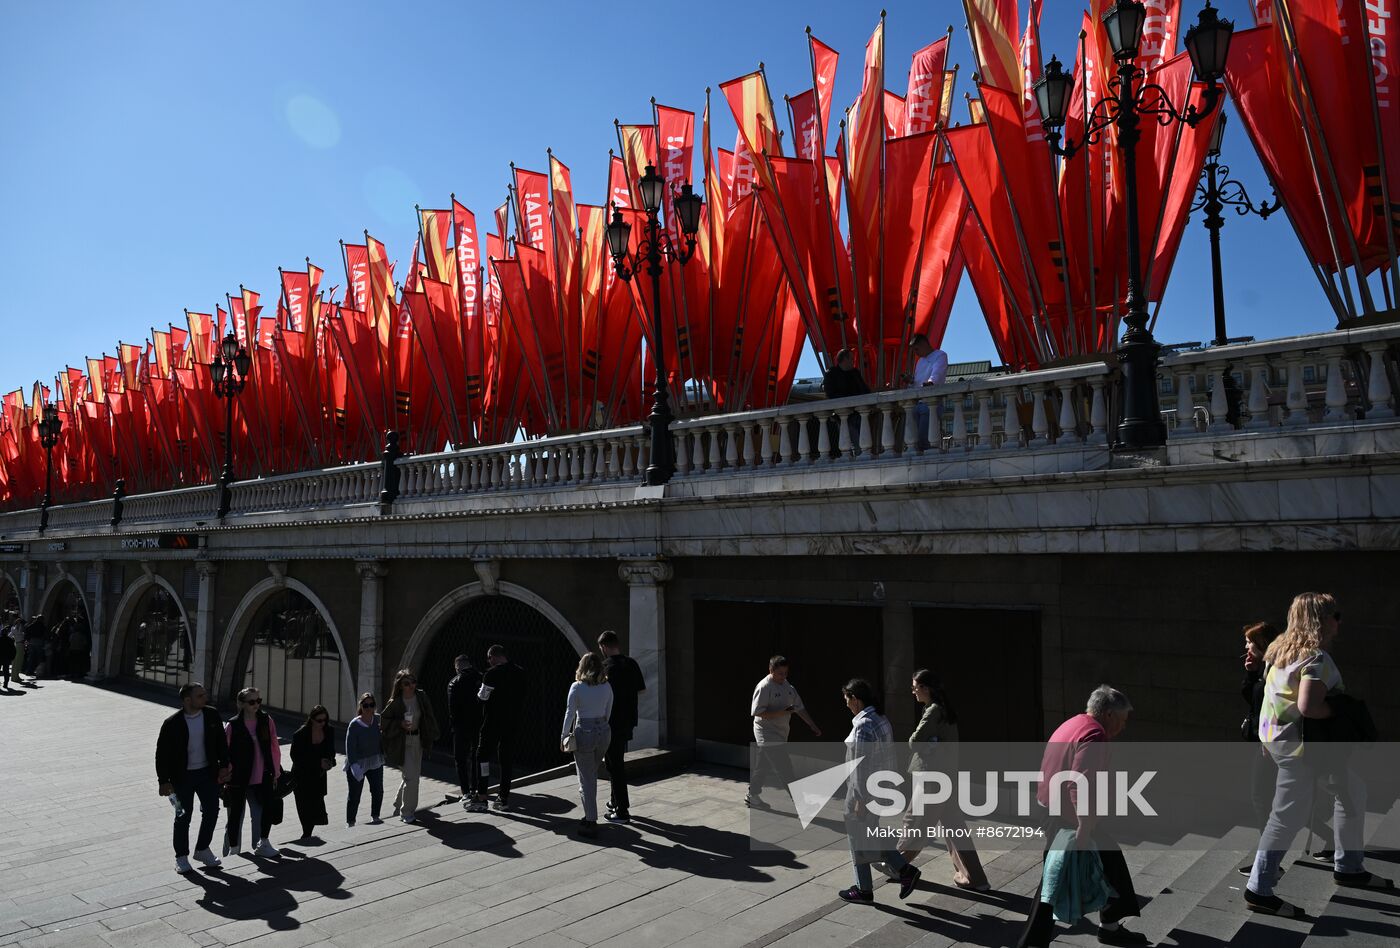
(586, 724)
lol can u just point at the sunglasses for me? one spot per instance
(367, 704)
(251, 701)
(321, 720)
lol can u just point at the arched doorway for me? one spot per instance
(468, 622)
(291, 655)
(9, 596)
(68, 629)
(158, 647)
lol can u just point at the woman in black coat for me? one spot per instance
(313, 753)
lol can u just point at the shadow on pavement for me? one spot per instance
(269, 896)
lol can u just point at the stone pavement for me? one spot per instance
(87, 861)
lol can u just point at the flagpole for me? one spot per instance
(855, 278)
(880, 202)
(714, 263)
(819, 159)
(1091, 158)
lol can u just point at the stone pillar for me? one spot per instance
(897, 633)
(646, 642)
(203, 668)
(369, 673)
(97, 625)
(26, 603)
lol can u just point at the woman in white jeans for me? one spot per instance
(586, 726)
(1301, 676)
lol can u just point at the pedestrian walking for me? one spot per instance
(256, 761)
(313, 753)
(1304, 684)
(1263, 771)
(587, 733)
(17, 636)
(1080, 745)
(503, 699)
(364, 761)
(464, 717)
(409, 728)
(774, 703)
(625, 678)
(934, 747)
(869, 748)
(7, 656)
(191, 761)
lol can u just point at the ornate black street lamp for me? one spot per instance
(230, 370)
(1216, 191)
(1208, 43)
(50, 427)
(652, 249)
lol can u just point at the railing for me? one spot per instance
(1360, 366)
(1004, 415)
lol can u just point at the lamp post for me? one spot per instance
(50, 426)
(652, 249)
(230, 370)
(1208, 43)
(1216, 191)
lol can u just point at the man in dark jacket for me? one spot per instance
(625, 676)
(464, 717)
(192, 760)
(502, 694)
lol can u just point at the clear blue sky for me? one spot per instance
(156, 155)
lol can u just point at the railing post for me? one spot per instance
(389, 477)
(1377, 384)
(1185, 404)
(1098, 413)
(1297, 398)
(1336, 388)
(1069, 421)
(1258, 394)
(118, 498)
(1219, 397)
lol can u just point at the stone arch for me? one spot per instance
(445, 607)
(121, 618)
(226, 671)
(8, 580)
(51, 592)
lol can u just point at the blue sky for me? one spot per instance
(157, 155)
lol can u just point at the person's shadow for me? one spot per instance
(268, 896)
(470, 835)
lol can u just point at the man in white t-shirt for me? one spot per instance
(930, 368)
(774, 703)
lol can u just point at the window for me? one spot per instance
(1166, 386)
(1309, 373)
(292, 658)
(159, 648)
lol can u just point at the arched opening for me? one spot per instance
(9, 597)
(68, 641)
(544, 645)
(158, 647)
(292, 656)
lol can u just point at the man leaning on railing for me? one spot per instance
(930, 368)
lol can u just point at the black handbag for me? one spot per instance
(286, 783)
(273, 805)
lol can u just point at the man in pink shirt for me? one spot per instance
(1080, 745)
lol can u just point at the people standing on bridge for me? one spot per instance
(191, 761)
(410, 728)
(586, 733)
(625, 679)
(930, 368)
(313, 753)
(843, 380)
(255, 759)
(774, 703)
(869, 749)
(464, 717)
(1304, 684)
(364, 761)
(503, 696)
(934, 746)
(1080, 745)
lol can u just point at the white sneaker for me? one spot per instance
(182, 865)
(206, 857)
(266, 850)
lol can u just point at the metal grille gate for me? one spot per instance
(534, 643)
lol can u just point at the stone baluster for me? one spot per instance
(551, 471)
(1098, 413)
(1258, 394)
(985, 435)
(682, 454)
(785, 456)
(959, 437)
(1040, 423)
(1185, 404)
(804, 436)
(887, 447)
(731, 448)
(714, 463)
(1219, 398)
(697, 455)
(1378, 392)
(933, 424)
(824, 436)
(1297, 398)
(1337, 408)
(867, 434)
(748, 444)
(909, 412)
(614, 470)
(628, 469)
(843, 433)
(1011, 420)
(1069, 421)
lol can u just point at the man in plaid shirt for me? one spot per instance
(870, 745)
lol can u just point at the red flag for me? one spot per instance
(357, 276)
(471, 321)
(435, 230)
(924, 99)
(676, 134)
(824, 60)
(292, 305)
(992, 24)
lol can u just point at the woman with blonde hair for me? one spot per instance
(1301, 676)
(586, 732)
(255, 757)
(409, 728)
